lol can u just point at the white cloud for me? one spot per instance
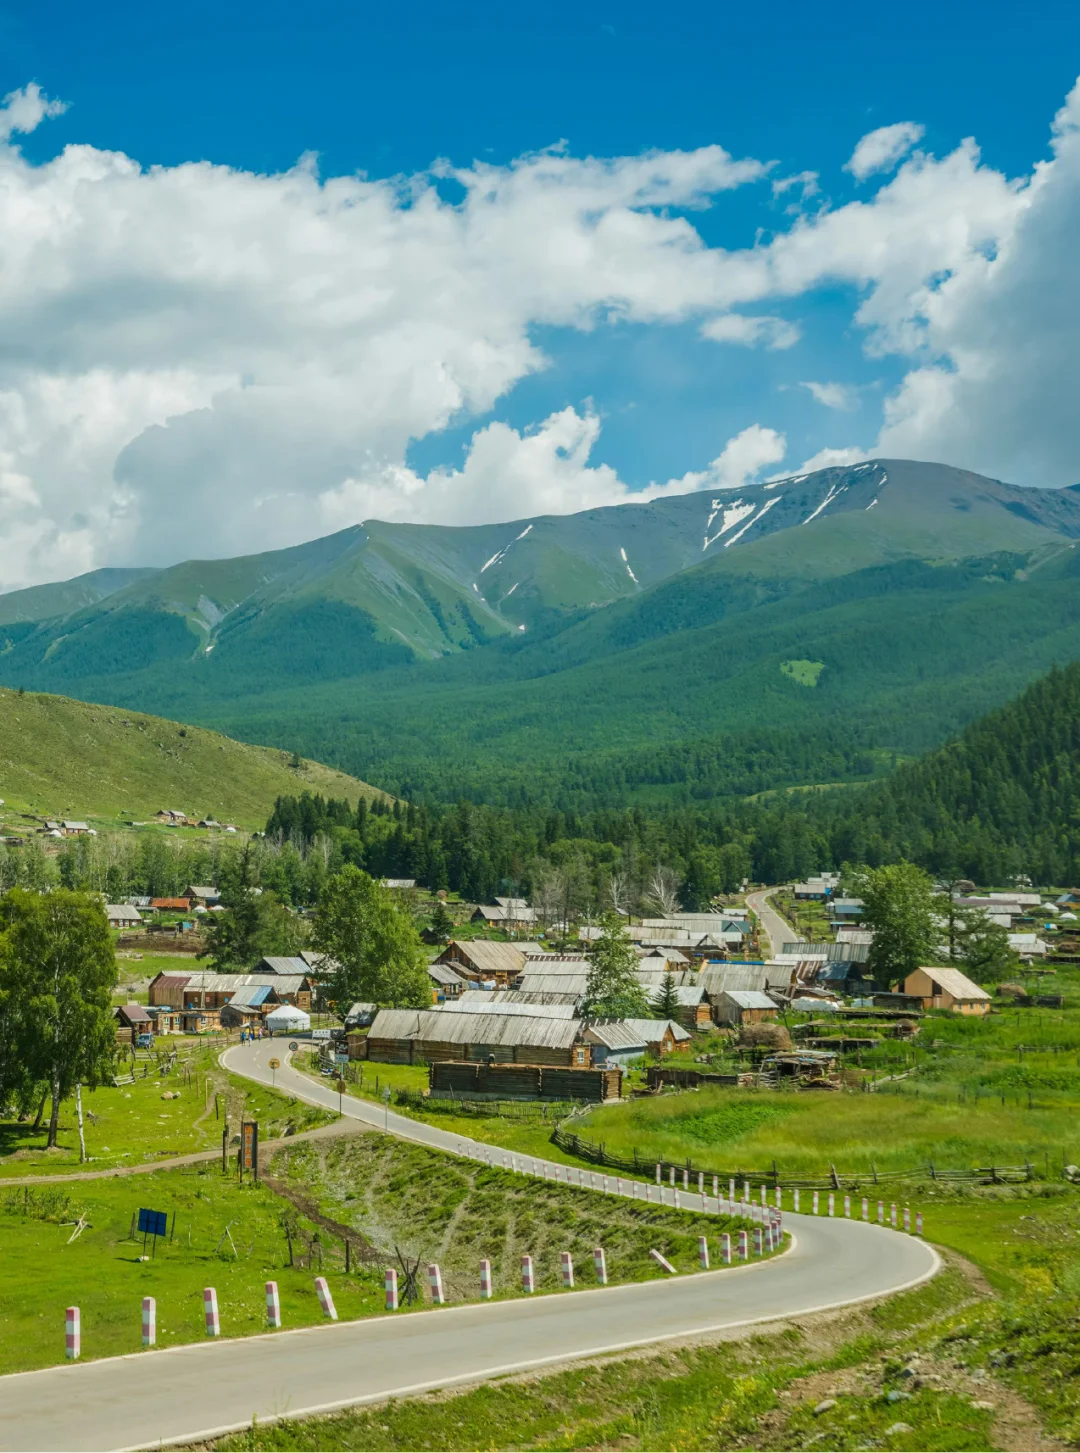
(203, 360)
(509, 475)
(832, 395)
(750, 331)
(831, 459)
(880, 150)
(25, 109)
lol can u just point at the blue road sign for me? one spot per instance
(153, 1223)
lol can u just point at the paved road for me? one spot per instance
(194, 1392)
(777, 929)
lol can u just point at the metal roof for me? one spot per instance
(955, 983)
(497, 1030)
(275, 965)
(252, 994)
(623, 1034)
(134, 1013)
(444, 974)
(224, 983)
(716, 978)
(479, 1002)
(536, 983)
(489, 959)
(748, 999)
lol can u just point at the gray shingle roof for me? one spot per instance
(497, 1030)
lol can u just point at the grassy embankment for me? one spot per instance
(387, 1194)
(65, 758)
(133, 1124)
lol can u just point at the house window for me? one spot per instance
(581, 1056)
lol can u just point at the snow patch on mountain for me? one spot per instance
(733, 513)
(764, 510)
(835, 491)
(500, 553)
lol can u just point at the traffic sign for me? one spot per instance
(293, 1045)
(275, 1064)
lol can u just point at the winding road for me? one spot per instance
(203, 1390)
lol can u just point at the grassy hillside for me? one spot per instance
(60, 757)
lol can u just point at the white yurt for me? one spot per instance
(287, 1019)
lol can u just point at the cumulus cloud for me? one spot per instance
(880, 150)
(751, 331)
(201, 360)
(508, 475)
(25, 109)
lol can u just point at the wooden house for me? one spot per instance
(493, 963)
(947, 989)
(743, 1006)
(131, 1020)
(422, 1036)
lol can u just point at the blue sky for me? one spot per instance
(386, 90)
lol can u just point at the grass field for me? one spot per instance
(66, 758)
(133, 1124)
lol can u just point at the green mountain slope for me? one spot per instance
(377, 596)
(63, 758)
(1003, 800)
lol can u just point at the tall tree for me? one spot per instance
(613, 989)
(666, 1003)
(899, 906)
(372, 945)
(254, 922)
(56, 953)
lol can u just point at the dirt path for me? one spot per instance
(174, 1162)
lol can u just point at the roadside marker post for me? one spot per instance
(435, 1282)
(796, 1196)
(485, 1280)
(746, 1190)
(865, 1209)
(567, 1263)
(881, 1213)
(907, 1219)
(832, 1204)
(273, 1305)
(701, 1182)
(744, 1246)
(779, 1198)
(658, 1173)
(892, 1215)
(72, 1333)
(847, 1207)
(210, 1312)
(918, 1223)
(528, 1283)
(725, 1248)
(600, 1262)
(757, 1241)
(703, 1252)
(662, 1261)
(149, 1321)
(764, 1196)
(326, 1301)
(671, 1175)
(716, 1188)
(815, 1203)
(390, 1283)
(685, 1179)
(731, 1192)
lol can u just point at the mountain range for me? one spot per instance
(717, 643)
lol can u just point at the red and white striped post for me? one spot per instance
(485, 1280)
(731, 1191)
(671, 1175)
(892, 1215)
(779, 1198)
(600, 1263)
(865, 1209)
(832, 1203)
(72, 1333)
(566, 1261)
(757, 1241)
(528, 1282)
(907, 1219)
(725, 1248)
(795, 1195)
(764, 1196)
(657, 1172)
(716, 1188)
(881, 1213)
(210, 1312)
(701, 1182)
(744, 1246)
(435, 1282)
(703, 1252)
(816, 1199)
(918, 1223)
(768, 1236)
(326, 1301)
(273, 1305)
(847, 1207)
(746, 1190)
(390, 1283)
(149, 1322)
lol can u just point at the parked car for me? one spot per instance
(145, 1041)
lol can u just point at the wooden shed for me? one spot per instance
(131, 1021)
(743, 1006)
(947, 989)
